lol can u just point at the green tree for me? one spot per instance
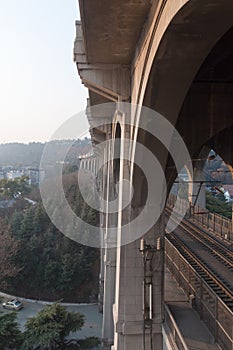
(27, 226)
(51, 274)
(219, 206)
(53, 266)
(10, 335)
(10, 187)
(41, 219)
(15, 222)
(50, 327)
(68, 269)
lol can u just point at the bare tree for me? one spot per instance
(9, 247)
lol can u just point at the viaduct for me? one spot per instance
(176, 58)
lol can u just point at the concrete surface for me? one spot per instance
(192, 328)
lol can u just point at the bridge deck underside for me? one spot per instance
(111, 36)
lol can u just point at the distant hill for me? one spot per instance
(20, 154)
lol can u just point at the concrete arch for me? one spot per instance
(178, 41)
(222, 143)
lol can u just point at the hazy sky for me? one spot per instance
(39, 84)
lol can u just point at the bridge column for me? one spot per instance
(199, 193)
(109, 261)
(109, 293)
(135, 329)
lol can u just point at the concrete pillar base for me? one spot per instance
(130, 337)
(107, 344)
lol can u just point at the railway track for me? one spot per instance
(219, 250)
(216, 248)
(218, 284)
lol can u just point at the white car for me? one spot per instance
(13, 305)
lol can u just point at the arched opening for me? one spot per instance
(208, 105)
(191, 80)
(117, 154)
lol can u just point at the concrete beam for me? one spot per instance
(111, 81)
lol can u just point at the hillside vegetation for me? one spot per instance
(20, 154)
(48, 265)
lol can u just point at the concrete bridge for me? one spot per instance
(174, 57)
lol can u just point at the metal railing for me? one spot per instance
(216, 223)
(213, 311)
(172, 330)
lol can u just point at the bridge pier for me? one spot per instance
(199, 181)
(138, 315)
(109, 294)
(109, 255)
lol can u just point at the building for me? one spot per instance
(14, 174)
(36, 175)
(2, 175)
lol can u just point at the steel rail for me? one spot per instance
(212, 244)
(217, 285)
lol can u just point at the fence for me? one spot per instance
(212, 310)
(216, 223)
